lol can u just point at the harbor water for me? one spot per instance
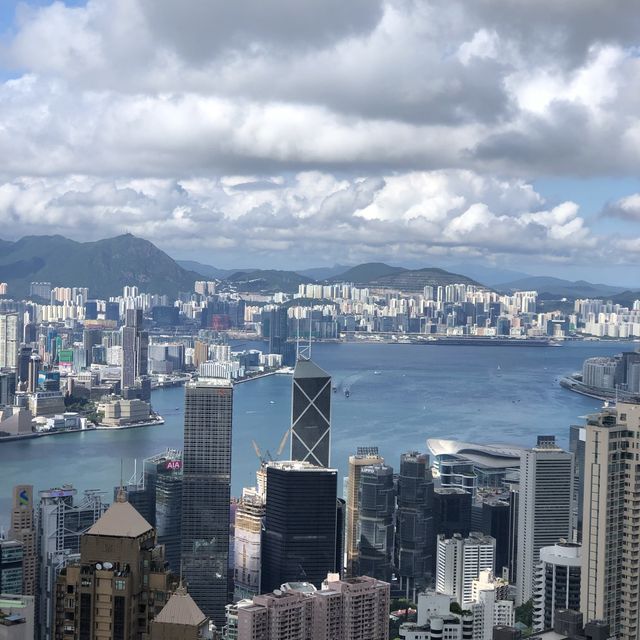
(400, 395)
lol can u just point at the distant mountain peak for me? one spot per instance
(104, 266)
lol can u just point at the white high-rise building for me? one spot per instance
(545, 513)
(460, 561)
(490, 605)
(557, 583)
(10, 339)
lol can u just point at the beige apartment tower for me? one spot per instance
(180, 619)
(120, 584)
(365, 456)
(23, 529)
(610, 587)
(350, 609)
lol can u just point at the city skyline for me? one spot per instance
(519, 151)
(320, 320)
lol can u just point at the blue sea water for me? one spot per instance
(478, 394)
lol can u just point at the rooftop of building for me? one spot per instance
(496, 456)
(297, 465)
(309, 369)
(474, 537)
(181, 609)
(300, 587)
(120, 520)
(206, 383)
(450, 490)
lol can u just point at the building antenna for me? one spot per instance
(310, 324)
(304, 352)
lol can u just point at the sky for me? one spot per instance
(295, 134)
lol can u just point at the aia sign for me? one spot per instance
(173, 465)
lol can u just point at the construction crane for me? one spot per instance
(283, 442)
(267, 457)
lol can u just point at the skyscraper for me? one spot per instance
(119, 584)
(135, 348)
(10, 567)
(61, 523)
(460, 561)
(545, 507)
(10, 339)
(299, 538)
(206, 490)
(163, 483)
(452, 511)
(415, 534)
(364, 457)
(557, 583)
(23, 529)
(611, 571)
(311, 414)
(376, 510)
(495, 523)
(577, 435)
(128, 377)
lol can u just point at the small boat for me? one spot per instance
(334, 389)
(272, 401)
(377, 373)
(347, 393)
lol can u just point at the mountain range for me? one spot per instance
(559, 287)
(106, 266)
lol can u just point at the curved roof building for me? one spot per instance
(495, 456)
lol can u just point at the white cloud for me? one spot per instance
(312, 214)
(368, 127)
(627, 208)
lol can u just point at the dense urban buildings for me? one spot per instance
(119, 584)
(461, 521)
(206, 493)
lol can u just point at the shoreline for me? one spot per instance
(571, 384)
(41, 434)
(278, 372)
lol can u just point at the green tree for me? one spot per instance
(524, 613)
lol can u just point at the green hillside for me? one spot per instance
(105, 266)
